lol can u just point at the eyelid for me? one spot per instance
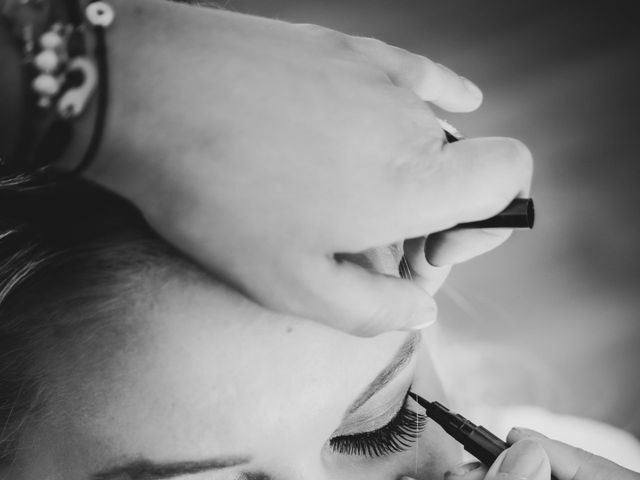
(400, 363)
(361, 422)
(373, 417)
(398, 435)
(377, 411)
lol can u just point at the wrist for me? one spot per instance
(12, 98)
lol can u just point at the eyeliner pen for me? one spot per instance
(475, 439)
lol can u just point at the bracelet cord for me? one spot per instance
(102, 62)
(59, 80)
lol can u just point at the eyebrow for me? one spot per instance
(147, 470)
(400, 360)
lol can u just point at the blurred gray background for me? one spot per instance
(562, 76)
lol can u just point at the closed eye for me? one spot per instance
(398, 435)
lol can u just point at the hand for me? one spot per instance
(415, 259)
(567, 462)
(533, 456)
(262, 148)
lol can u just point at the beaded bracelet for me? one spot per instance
(59, 76)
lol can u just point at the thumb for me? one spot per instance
(348, 297)
(525, 459)
(468, 180)
(572, 463)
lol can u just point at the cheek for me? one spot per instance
(434, 454)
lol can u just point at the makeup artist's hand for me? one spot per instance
(262, 148)
(567, 462)
(532, 456)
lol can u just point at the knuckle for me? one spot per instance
(326, 37)
(311, 28)
(336, 40)
(586, 466)
(371, 43)
(367, 48)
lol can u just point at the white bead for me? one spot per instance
(47, 61)
(47, 85)
(100, 14)
(50, 40)
(44, 102)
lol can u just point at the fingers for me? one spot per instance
(349, 298)
(457, 246)
(429, 277)
(571, 463)
(525, 459)
(473, 179)
(429, 80)
(429, 260)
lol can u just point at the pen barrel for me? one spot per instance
(475, 439)
(484, 445)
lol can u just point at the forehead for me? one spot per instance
(206, 369)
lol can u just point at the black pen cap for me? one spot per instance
(520, 213)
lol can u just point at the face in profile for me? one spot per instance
(197, 382)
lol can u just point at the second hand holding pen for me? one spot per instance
(475, 439)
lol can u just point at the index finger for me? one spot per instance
(431, 81)
(572, 463)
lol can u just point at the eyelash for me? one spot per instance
(396, 436)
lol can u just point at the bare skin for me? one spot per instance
(238, 135)
(533, 456)
(199, 377)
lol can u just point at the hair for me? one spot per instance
(71, 260)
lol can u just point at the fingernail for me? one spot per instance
(472, 87)
(423, 319)
(522, 461)
(515, 434)
(519, 433)
(527, 432)
(422, 326)
(462, 470)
